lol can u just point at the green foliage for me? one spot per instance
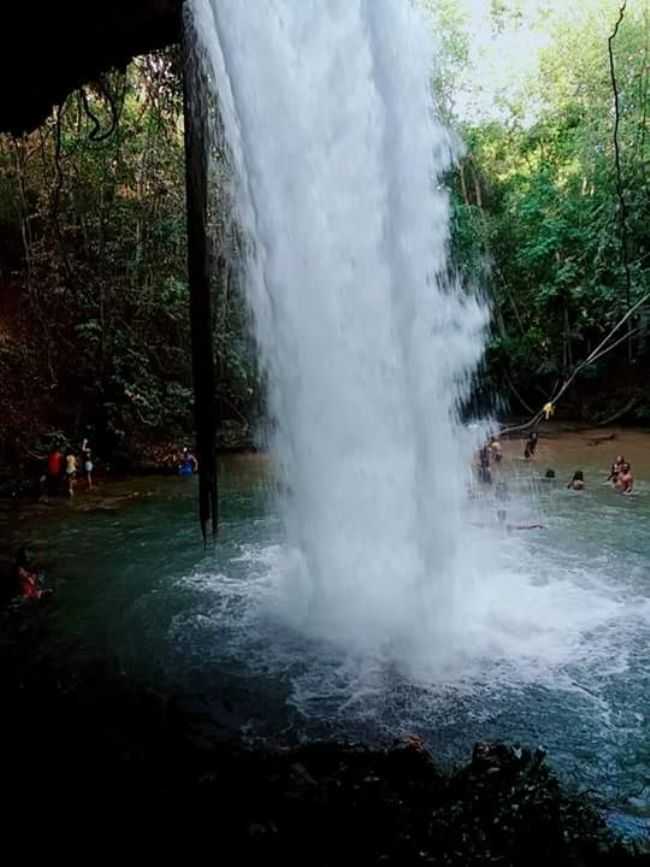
(93, 265)
(539, 203)
(94, 301)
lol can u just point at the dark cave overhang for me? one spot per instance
(49, 49)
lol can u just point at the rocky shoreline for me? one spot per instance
(85, 734)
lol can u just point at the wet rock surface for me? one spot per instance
(85, 737)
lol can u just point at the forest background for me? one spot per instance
(546, 224)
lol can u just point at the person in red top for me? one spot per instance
(28, 587)
(27, 580)
(55, 464)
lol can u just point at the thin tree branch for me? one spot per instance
(619, 412)
(619, 175)
(614, 345)
(601, 350)
(512, 388)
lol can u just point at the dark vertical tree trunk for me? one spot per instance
(463, 184)
(201, 320)
(477, 187)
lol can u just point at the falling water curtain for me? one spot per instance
(201, 318)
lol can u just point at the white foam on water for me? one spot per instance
(566, 633)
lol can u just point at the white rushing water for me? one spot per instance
(337, 161)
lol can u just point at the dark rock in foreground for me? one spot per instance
(87, 742)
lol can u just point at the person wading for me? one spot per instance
(531, 446)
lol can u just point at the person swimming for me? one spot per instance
(577, 483)
(549, 475)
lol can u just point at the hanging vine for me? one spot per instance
(622, 207)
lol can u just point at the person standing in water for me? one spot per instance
(496, 450)
(71, 471)
(54, 471)
(531, 446)
(189, 464)
(86, 457)
(484, 471)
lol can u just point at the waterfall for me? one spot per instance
(337, 162)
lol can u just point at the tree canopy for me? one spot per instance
(539, 223)
(95, 330)
(94, 325)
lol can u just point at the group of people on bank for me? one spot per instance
(64, 468)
